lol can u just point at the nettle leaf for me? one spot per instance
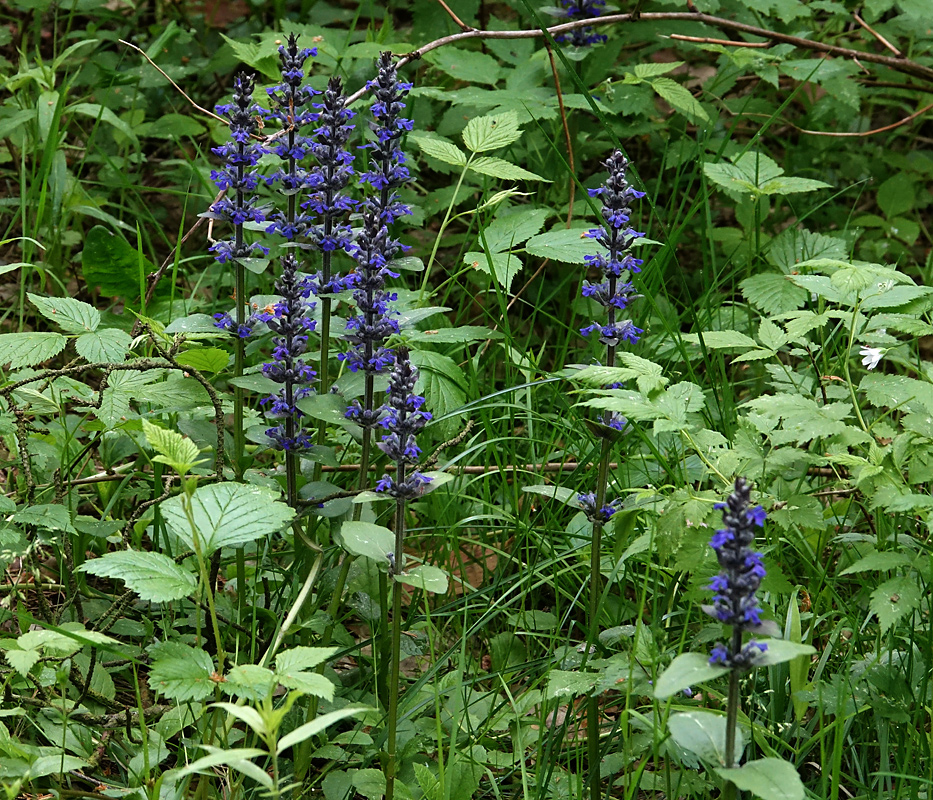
(73, 316)
(510, 229)
(204, 359)
(503, 267)
(703, 733)
(895, 599)
(182, 673)
(469, 66)
(174, 449)
(569, 245)
(504, 170)
(491, 132)
(154, 577)
(680, 98)
(441, 149)
(773, 293)
(227, 515)
(110, 344)
(29, 349)
(767, 778)
(685, 671)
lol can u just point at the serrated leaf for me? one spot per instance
(153, 576)
(109, 344)
(668, 409)
(122, 387)
(767, 778)
(786, 185)
(503, 267)
(371, 783)
(309, 683)
(685, 671)
(877, 562)
(185, 676)
(773, 293)
(178, 451)
(426, 578)
(703, 733)
(458, 335)
(653, 70)
(491, 132)
(570, 246)
(469, 66)
(73, 316)
(204, 359)
(440, 149)
(249, 681)
(721, 340)
(227, 515)
(680, 98)
(504, 170)
(510, 230)
(110, 262)
(440, 381)
(894, 600)
(29, 349)
(647, 375)
(301, 658)
(367, 539)
(22, 660)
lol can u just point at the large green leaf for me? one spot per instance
(767, 778)
(491, 132)
(226, 515)
(109, 344)
(513, 227)
(153, 576)
(895, 599)
(441, 149)
(503, 267)
(29, 349)
(367, 539)
(568, 245)
(685, 671)
(469, 66)
(703, 733)
(503, 170)
(315, 727)
(182, 673)
(110, 262)
(73, 316)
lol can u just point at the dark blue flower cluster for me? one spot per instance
(617, 237)
(581, 9)
(734, 600)
(290, 320)
(238, 175)
(290, 107)
(593, 514)
(402, 417)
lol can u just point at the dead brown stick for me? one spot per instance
(724, 42)
(877, 35)
(457, 21)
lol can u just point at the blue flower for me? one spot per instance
(581, 9)
(741, 571)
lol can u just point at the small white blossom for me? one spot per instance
(871, 356)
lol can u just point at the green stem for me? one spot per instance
(395, 658)
(732, 717)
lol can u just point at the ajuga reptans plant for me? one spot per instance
(580, 9)
(613, 292)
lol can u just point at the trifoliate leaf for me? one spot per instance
(441, 149)
(29, 349)
(491, 132)
(504, 170)
(72, 316)
(110, 344)
(153, 576)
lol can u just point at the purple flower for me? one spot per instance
(741, 572)
(581, 9)
(599, 515)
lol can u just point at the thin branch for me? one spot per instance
(566, 127)
(723, 42)
(457, 21)
(872, 132)
(877, 35)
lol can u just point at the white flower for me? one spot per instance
(871, 356)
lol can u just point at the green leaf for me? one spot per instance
(104, 114)
(785, 185)
(257, 56)
(570, 246)
(174, 449)
(109, 344)
(371, 783)
(309, 683)
(227, 515)
(441, 382)
(894, 600)
(441, 149)
(171, 126)
(122, 387)
(249, 681)
(503, 267)
(721, 340)
(767, 778)
(685, 671)
(877, 562)
(703, 733)
(773, 293)
(55, 765)
(459, 335)
(21, 660)
(367, 539)
(647, 375)
(564, 683)
(235, 758)
(245, 714)
(185, 674)
(302, 658)
(780, 651)
(491, 132)
(652, 70)
(110, 262)
(803, 419)
(204, 359)
(469, 66)
(504, 170)
(315, 727)
(29, 349)
(897, 195)
(154, 577)
(510, 229)
(680, 98)
(425, 577)
(72, 316)
(50, 517)
(558, 493)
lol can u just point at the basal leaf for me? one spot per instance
(153, 576)
(767, 778)
(29, 349)
(72, 316)
(367, 539)
(703, 733)
(491, 132)
(227, 515)
(685, 671)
